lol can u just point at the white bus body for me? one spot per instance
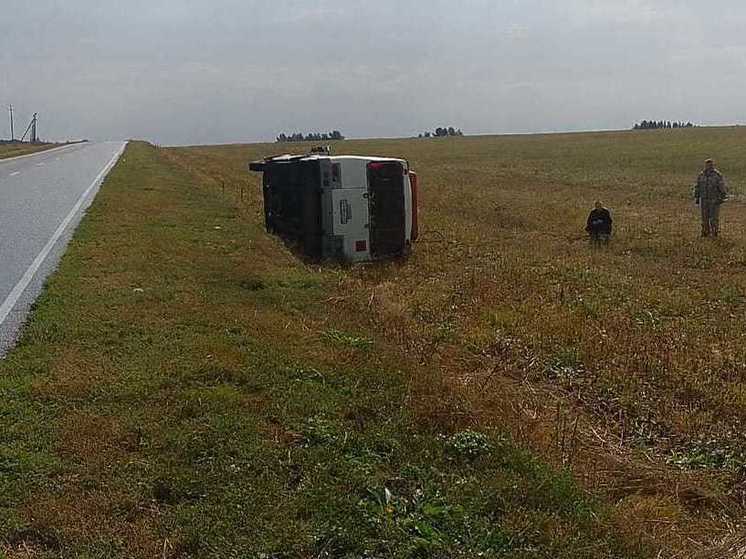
(351, 208)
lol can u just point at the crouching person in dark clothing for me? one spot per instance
(599, 224)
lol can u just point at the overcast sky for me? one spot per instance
(213, 71)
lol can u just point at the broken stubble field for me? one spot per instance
(625, 365)
(188, 387)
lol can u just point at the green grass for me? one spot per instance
(187, 388)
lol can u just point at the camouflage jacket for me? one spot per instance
(710, 186)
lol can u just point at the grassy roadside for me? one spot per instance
(16, 149)
(183, 390)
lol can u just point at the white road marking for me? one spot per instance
(24, 282)
(40, 164)
(14, 173)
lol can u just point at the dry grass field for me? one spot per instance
(625, 364)
(16, 149)
(187, 387)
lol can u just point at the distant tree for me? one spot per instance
(443, 132)
(660, 124)
(310, 136)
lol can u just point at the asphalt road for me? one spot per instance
(42, 199)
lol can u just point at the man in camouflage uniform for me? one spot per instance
(709, 192)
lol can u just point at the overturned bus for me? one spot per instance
(349, 208)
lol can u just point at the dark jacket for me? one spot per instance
(599, 222)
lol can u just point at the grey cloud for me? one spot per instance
(200, 71)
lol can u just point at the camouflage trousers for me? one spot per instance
(599, 238)
(710, 217)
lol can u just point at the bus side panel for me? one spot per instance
(292, 203)
(312, 213)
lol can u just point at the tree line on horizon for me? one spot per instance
(310, 137)
(661, 124)
(442, 132)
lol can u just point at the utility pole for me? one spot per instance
(32, 128)
(12, 132)
(34, 135)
